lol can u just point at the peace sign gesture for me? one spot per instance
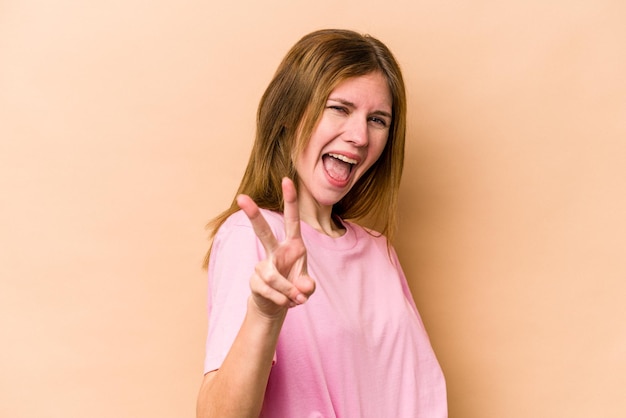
(280, 281)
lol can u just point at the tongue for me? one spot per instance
(337, 169)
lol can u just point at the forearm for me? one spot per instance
(237, 389)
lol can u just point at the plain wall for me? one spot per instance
(126, 125)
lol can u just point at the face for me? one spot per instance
(347, 140)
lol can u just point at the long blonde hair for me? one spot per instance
(290, 109)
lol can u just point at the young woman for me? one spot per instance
(310, 314)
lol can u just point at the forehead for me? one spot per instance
(370, 90)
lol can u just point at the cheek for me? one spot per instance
(378, 148)
(373, 156)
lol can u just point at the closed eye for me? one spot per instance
(336, 108)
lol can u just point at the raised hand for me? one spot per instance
(280, 281)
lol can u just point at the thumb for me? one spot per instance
(305, 284)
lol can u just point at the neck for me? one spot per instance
(321, 219)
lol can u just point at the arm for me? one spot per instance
(238, 387)
(279, 282)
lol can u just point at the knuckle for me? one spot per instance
(266, 292)
(264, 269)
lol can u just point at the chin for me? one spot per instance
(330, 201)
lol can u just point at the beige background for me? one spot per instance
(125, 126)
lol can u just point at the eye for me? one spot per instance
(337, 108)
(378, 121)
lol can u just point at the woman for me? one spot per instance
(310, 314)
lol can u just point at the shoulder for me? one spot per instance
(373, 239)
(366, 234)
(235, 240)
(238, 223)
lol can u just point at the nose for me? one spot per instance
(356, 132)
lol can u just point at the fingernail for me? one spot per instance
(300, 298)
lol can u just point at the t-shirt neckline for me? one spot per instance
(345, 241)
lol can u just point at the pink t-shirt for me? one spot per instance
(357, 348)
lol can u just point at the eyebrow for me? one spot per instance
(350, 104)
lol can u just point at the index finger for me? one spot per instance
(259, 224)
(291, 211)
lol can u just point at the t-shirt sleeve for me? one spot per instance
(405, 285)
(235, 252)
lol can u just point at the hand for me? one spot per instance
(280, 281)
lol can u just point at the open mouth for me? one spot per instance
(338, 166)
